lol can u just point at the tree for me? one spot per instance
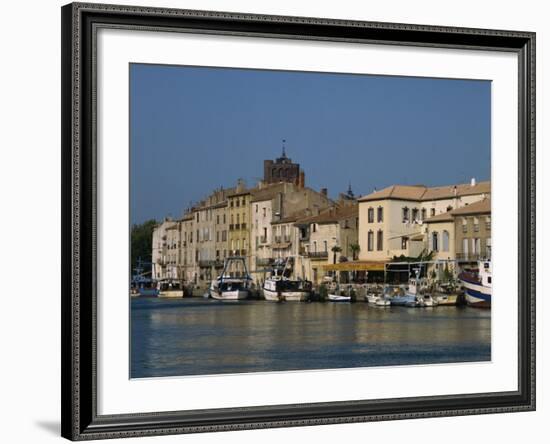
(355, 249)
(335, 249)
(141, 243)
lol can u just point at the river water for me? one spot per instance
(196, 336)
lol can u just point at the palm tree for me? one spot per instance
(335, 249)
(355, 249)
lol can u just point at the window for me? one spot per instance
(244, 201)
(370, 215)
(465, 247)
(405, 215)
(476, 224)
(314, 227)
(256, 208)
(404, 242)
(224, 218)
(432, 211)
(478, 245)
(231, 204)
(423, 213)
(315, 246)
(217, 236)
(197, 217)
(218, 219)
(380, 214)
(325, 244)
(445, 241)
(263, 209)
(435, 241)
(380, 240)
(370, 241)
(488, 223)
(464, 225)
(415, 214)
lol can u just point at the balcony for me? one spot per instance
(286, 238)
(317, 254)
(277, 239)
(231, 226)
(473, 257)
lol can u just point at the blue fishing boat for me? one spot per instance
(477, 285)
(141, 284)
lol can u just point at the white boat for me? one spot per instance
(171, 288)
(338, 298)
(382, 301)
(228, 288)
(271, 290)
(279, 287)
(478, 285)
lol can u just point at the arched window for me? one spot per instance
(435, 241)
(445, 241)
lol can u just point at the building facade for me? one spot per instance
(391, 220)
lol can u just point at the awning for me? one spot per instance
(355, 266)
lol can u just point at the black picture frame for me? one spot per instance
(79, 171)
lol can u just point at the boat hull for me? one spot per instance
(338, 298)
(295, 296)
(171, 294)
(476, 294)
(270, 295)
(234, 295)
(443, 300)
(148, 292)
(403, 300)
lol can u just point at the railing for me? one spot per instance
(277, 239)
(474, 256)
(286, 238)
(243, 226)
(231, 226)
(316, 254)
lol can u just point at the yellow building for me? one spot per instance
(238, 211)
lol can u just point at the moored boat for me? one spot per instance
(231, 288)
(279, 287)
(170, 288)
(478, 285)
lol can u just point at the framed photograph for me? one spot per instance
(278, 221)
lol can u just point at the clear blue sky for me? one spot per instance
(195, 129)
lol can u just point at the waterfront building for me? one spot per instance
(165, 245)
(274, 209)
(460, 237)
(239, 223)
(391, 219)
(187, 253)
(330, 237)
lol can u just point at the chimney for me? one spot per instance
(324, 192)
(455, 190)
(473, 182)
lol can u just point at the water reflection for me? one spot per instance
(197, 336)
